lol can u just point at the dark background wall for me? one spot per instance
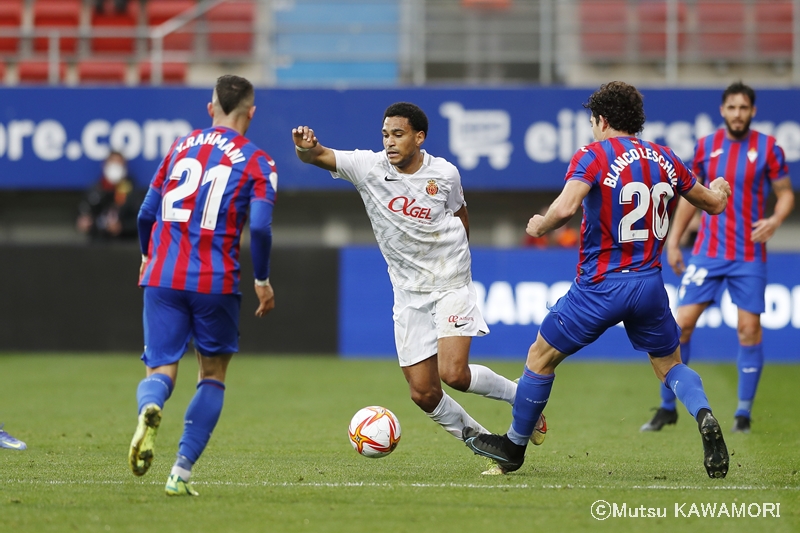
(86, 298)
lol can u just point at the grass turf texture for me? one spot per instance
(280, 460)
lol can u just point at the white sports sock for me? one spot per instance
(453, 418)
(181, 473)
(486, 382)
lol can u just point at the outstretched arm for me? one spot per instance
(310, 151)
(561, 210)
(464, 216)
(764, 229)
(677, 227)
(713, 199)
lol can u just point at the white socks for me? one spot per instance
(453, 418)
(181, 473)
(487, 383)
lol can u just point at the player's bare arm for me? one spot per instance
(677, 227)
(713, 199)
(310, 151)
(464, 216)
(266, 299)
(561, 210)
(764, 229)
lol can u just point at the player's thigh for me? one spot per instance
(579, 317)
(415, 334)
(747, 284)
(650, 326)
(215, 323)
(457, 314)
(167, 326)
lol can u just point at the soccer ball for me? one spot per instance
(374, 431)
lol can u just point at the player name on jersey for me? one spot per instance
(234, 154)
(635, 154)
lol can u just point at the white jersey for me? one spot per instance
(424, 245)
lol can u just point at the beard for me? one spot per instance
(738, 133)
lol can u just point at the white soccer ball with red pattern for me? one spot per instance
(374, 431)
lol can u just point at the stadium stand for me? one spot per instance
(231, 29)
(38, 71)
(123, 24)
(172, 73)
(603, 29)
(93, 72)
(722, 35)
(651, 25)
(774, 29)
(57, 15)
(157, 13)
(10, 19)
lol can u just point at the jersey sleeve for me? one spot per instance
(686, 178)
(264, 173)
(354, 165)
(698, 166)
(455, 200)
(776, 162)
(584, 166)
(162, 171)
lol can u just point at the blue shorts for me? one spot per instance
(706, 277)
(637, 299)
(172, 318)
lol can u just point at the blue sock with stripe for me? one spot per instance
(201, 418)
(533, 391)
(688, 387)
(750, 362)
(155, 388)
(667, 396)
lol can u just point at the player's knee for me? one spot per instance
(458, 378)
(426, 400)
(749, 334)
(686, 333)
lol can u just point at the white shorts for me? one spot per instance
(422, 318)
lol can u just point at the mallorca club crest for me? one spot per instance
(432, 188)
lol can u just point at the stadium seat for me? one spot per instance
(38, 71)
(90, 72)
(652, 29)
(2, 73)
(158, 12)
(603, 29)
(721, 27)
(10, 19)
(487, 4)
(170, 72)
(56, 14)
(231, 28)
(110, 19)
(774, 29)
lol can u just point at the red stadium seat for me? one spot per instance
(170, 72)
(160, 11)
(102, 72)
(652, 29)
(774, 29)
(234, 28)
(603, 29)
(56, 14)
(721, 27)
(110, 19)
(487, 4)
(2, 73)
(38, 71)
(10, 19)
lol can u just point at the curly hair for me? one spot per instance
(416, 116)
(621, 104)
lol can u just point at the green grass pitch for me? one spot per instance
(280, 460)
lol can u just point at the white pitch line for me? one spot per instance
(411, 485)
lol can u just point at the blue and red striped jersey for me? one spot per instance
(206, 184)
(626, 214)
(749, 166)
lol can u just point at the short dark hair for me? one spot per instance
(739, 88)
(621, 104)
(416, 116)
(233, 91)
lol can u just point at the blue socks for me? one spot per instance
(156, 388)
(750, 362)
(533, 391)
(688, 387)
(667, 396)
(201, 418)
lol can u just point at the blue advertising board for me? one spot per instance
(500, 139)
(515, 287)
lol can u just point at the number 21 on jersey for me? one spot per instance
(192, 170)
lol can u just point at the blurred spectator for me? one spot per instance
(120, 6)
(563, 237)
(109, 209)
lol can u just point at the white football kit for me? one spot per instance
(424, 245)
